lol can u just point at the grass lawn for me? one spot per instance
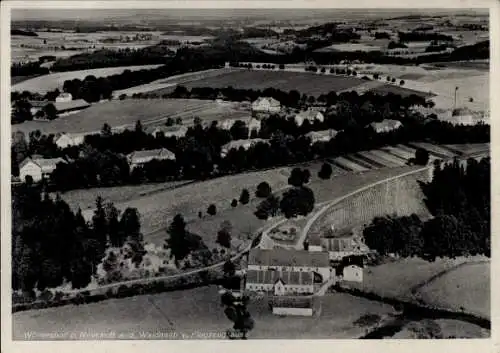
(466, 287)
(437, 283)
(307, 83)
(196, 311)
(442, 328)
(121, 114)
(45, 83)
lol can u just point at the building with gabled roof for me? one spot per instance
(321, 136)
(139, 158)
(386, 125)
(237, 144)
(167, 131)
(311, 115)
(38, 168)
(267, 105)
(63, 140)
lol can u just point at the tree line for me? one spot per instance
(458, 198)
(52, 245)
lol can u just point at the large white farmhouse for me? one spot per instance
(311, 115)
(63, 140)
(237, 144)
(266, 105)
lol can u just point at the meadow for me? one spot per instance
(124, 114)
(197, 313)
(283, 80)
(45, 83)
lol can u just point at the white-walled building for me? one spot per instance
(139, 158)
(310, 115)
(266, 105)
(168, 131)
(237, 144)
(64, 97)
(38, 168)
(322, 136)
(386, 125)
(63, 140)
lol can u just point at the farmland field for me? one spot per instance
(307, 83)
(45, 83)
(197, 311)
(466, 287)
(441, 328)
(454, 287)
(121, 114)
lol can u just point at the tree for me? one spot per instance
(170, 121)
(388, 79)
(323, 70)
(234, 203)
(325, 171)
(212, 210)
(197, 120)
(106, 130)
(50, 111)
(224, 238)
(402, 82)
(299, 177)
(130, 224)
(122, 96)
(263, 190)
(282, 66)
(393, 80)
(178, 121)
(244, 197)
(239, 130)
(421, 156)
(178, 239)
(138, 127)
(268, 208)
(297, 201)
(228, 268)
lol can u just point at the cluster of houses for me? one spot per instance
(291, 278)
(63, 104)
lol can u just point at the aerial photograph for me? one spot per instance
(245, 174)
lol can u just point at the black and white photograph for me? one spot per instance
(248, 173)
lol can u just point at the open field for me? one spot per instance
(443, 283)
(171, 81)
(441, 328)
(122, 114)
(85, 198)
(197, 312)
(303, 82)
(350, 47)
(466, 287)
(50, 82)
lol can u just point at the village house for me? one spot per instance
(64, 97)
(237, 144)
(63, 140)
(266, 105)
(38, 168)
(168, 131)
(386, 125)
(350, 269)
(321, 136)
(139, 158)
(282, 261)
(251, 123)
(310, 115)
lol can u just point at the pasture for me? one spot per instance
(307, 83)
(441, 328)
(124, 114)
(445, 283)
(197, 313)
(45, 83)
(466, 287)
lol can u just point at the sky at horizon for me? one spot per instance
(207, 14)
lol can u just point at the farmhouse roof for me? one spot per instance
(242, 143)
(287, 277)
(271, 100)
(70, 105)
(167, 129)
(283, 257)
(386, 124)
(322, 134)
(46, 164)
(157, 153)
(338, 244)
(309, 114)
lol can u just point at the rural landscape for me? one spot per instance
(250, 174)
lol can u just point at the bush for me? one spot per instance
(282, 66)
(122, 96)
(212, 210)
(421, 156)
(224, 238)
(402, 82)
(325, 171)
(263, 190)
(299, 177)
(234, 203)
(244, 197)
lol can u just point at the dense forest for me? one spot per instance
(458, 197)
(52, 245)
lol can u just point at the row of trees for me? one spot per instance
(52, 245)
(459, 199)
